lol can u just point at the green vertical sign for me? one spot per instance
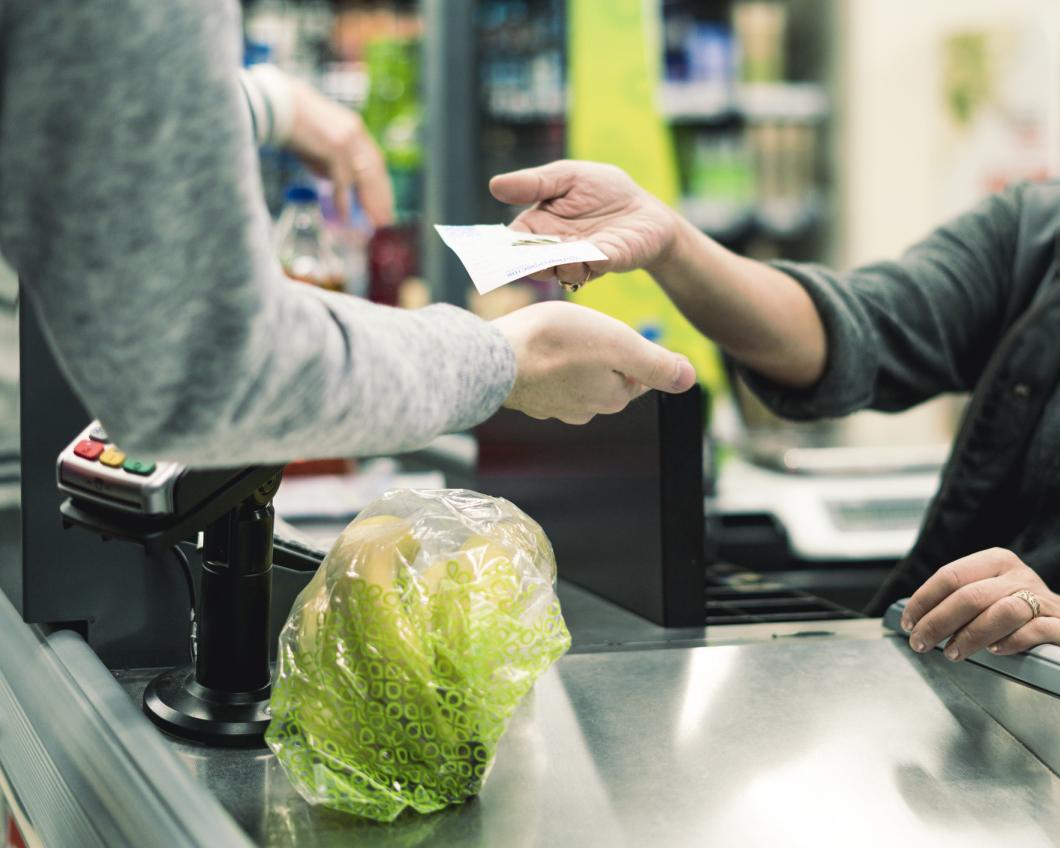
(614, 55)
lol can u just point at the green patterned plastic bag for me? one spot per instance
(407, 653)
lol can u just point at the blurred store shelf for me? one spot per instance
(520, 109)
(710, 102)
(722, 222)
(788, 218)
(785, 101)
(689, 102)
(779, 219)
(697, 101)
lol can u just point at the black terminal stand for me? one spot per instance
(223, 699)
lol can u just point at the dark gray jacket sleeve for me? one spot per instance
(903, 331)
(132, 208)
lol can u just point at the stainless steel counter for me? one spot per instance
(793, 742)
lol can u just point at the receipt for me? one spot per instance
(495, 255)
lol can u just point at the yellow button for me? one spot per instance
(112, 457)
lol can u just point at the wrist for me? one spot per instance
(674, 255)
(509, 342)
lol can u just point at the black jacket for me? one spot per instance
(973, 307)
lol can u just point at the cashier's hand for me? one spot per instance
(595, 202)
(334, 143)
(574, 363)
(975, 601)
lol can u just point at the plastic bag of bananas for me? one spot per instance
(407, 653)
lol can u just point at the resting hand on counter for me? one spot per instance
(758, 314)
(573, 363)
(977, 601)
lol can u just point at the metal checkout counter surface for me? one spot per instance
(795, 735)
(812, 733)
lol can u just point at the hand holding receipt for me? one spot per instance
(496, 255)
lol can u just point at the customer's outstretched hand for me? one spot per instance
(595, 202)
(574, 363)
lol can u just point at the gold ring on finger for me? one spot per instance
(1031, 600)
(573, 287)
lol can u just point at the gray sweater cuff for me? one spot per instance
(452, 370)
(483, 356)
(845, 386)
(270, 96)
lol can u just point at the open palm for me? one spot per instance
(595, 202)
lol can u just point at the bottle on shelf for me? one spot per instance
(761, 28)
(303, 242)
(720, 184)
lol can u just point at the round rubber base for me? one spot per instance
(188, 710)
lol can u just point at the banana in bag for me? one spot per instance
(407, 653)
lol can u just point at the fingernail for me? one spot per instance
(918, 645)
(993, 649)
(907, 623)
(684, 375)
(951, 652)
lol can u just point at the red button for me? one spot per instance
(88, 450)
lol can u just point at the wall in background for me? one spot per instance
(898, 149)
(904, 162)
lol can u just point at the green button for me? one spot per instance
(136, 466)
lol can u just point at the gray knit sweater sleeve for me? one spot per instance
(131, 206)
(900, 332)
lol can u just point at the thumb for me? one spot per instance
(658, 368)
(533, 185)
